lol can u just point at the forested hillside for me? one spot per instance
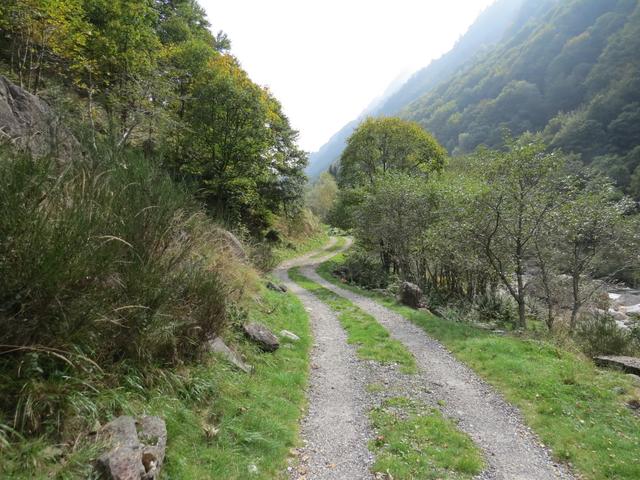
(568, 68)
(487, 30)
(572, 71)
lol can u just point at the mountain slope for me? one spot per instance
(572, 70)
(487, 30)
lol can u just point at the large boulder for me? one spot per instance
(262, 336)
(410, 295)
(27, 122)
(136, 449)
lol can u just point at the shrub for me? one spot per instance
(363, 269)
(598, 334)
(102, 265)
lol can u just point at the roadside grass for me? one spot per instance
(372, 339)
(578, 410)
(340, 241)
(221, 423)
(415, 441)
(296, 249)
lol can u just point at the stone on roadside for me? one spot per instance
(289, 335)
(276, 288)
(410, 295)
(133, 455)
(262, 336)
(217, 345)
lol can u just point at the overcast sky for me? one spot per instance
(327, 60)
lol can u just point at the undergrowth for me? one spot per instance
(221, 422)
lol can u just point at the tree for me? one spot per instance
(393, 218)
(381, 145)
(589, 225)
(519, 196)
(322, 195)
(238, 147)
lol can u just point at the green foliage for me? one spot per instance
(322, 195)
(372, 339)
(381, 145)
(149, 74)
(99, 265)
(569, 69)
(416, 441)
(598, 334)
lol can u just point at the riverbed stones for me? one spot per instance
(262, 336)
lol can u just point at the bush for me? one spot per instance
(363, 269)
(598, 334)
(496, 309)
(101, 265)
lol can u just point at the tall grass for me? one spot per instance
(104, 265)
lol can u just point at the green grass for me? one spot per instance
(577, 409)
(256, 416)
(340, 241)
(414, 441)
(372, 339)
(315, 242)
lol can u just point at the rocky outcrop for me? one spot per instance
(261, 335)
(29, 124)
(136, 449)
(626, 364)
(217, 345)
(410, 295)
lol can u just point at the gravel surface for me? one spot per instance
(336, 428)
(511, 450)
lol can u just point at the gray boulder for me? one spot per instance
(410, 295)
(262, 336)
(136, 449)
(28, 123)
(217, 345)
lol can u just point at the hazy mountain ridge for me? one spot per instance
(487, 30)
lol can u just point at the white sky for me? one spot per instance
(327, 60)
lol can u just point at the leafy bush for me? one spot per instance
(491, 308)
(363, 269)
(598, 334)
(102, 265)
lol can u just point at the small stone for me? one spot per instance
(217, 345)
(289, 335)
(262, 336)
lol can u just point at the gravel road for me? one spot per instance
(336, 430)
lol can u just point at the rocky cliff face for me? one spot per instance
(28, 123)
